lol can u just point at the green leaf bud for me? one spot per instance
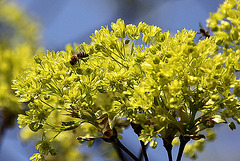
(46, 97)
(234, 34)
(226, 25)
(176, 141)
(53, 152)
(127, 41)
(220, 41)
(236, 90)
(153, 144)
(35, 126)
(232, 126)
(37, 59)
(156, 60)
(43, 147)
(215, 97)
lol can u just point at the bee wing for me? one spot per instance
(200, 25)
(208, 29)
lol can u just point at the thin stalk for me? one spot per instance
(132, 47)
(46, 103)
(118, 61)
(183, 142)
(120, 53)
(193, 114)
(144, 152)
(137, 129)
(119, 151)
(55, 136)
(168, 146)
(141, 155)
(123, 47)
(118, 143)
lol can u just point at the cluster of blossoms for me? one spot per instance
(18, 41)
(165, 86)
(16, 51)
(13, 58)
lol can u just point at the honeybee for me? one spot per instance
(75, 58)
(204, 33)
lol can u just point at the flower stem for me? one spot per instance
(144, 150)
(168, 146)
(118, 143)
(119, 151)
(183, 142)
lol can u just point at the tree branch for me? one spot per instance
(119, 151)
(183, 142)
(144, 152)
(118, 143)
(168, 146)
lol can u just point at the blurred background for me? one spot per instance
(73, 21)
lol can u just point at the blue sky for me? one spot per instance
(73, 21)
